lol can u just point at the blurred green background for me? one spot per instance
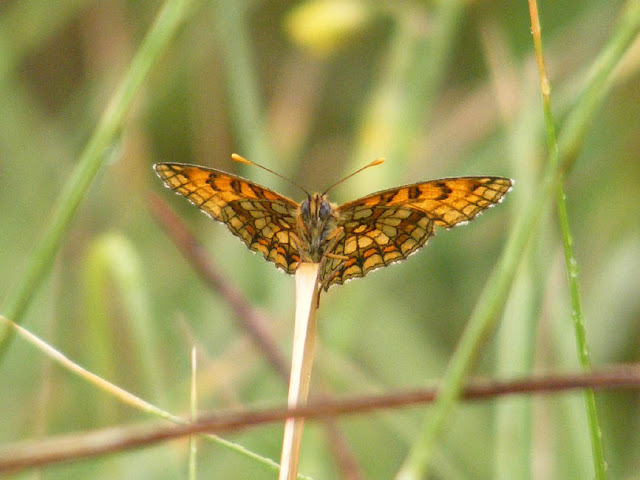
(315, 90)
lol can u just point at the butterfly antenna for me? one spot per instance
(372, 164)
(241, 159)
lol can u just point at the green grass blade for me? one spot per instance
(126, 397)
(491, 302)
(515, 343)
(96, 152)
(113, 268)
(570, 259)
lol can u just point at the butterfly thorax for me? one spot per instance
(316, 225)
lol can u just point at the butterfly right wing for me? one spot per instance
(388, 226)
(263, 219)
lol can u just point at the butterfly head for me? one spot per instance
(315, 209)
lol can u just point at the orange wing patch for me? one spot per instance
(264, 220)
(447, 201)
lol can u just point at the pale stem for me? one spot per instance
(304, 343)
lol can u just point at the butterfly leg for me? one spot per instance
(298, 245)
(328, 276)
(318, 297)
(333, 239)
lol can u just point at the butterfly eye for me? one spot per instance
(325, 210)
(304, 209)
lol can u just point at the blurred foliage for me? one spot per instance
(314, 89)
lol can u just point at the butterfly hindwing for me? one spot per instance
(374, 237)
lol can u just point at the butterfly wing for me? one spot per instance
(390, 225)
(263, 219)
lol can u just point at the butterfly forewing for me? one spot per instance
(454, 200)
(447, 201)
(263, 219)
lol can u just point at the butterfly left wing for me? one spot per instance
(263, 219)
(390, 225)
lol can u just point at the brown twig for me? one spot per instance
(70, 447)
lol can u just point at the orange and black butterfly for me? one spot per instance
(349, 240)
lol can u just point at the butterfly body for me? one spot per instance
(349, 240)
(317, 224)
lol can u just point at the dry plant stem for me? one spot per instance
(114, 391)
(253, 321)
(64, 448)
(304, 345)
(346, 461)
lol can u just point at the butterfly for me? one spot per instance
(349, 240)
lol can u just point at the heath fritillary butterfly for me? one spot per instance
(349, 240)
